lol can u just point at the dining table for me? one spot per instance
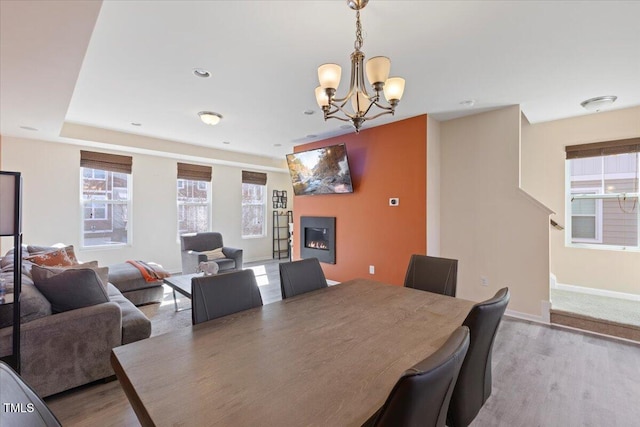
(328, 357)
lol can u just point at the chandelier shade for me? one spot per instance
(356, 105)
(393, 89)
(329, 76)
(321, 97)
(378, 69)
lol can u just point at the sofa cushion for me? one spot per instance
(135, 325)
(127, 278)
(47, 272)
(6, 263)
(55, 258)
(70, 289)
(33, 305)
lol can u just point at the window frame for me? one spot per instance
(99, 200)
(182, 205)
(263, 204)
(594, 192)
(109, 206)
(575, 193)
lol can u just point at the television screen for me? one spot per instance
(320, 171)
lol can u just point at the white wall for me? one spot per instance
(543, 175)
(433, 187)
(52, 214)
(491, 226)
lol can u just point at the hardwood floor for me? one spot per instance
(549, 376)
(542, 376)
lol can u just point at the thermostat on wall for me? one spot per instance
(394, 201)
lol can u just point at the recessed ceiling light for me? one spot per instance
(312, 136)
(28, 128)
(226, 142)
(200, 72)
(136, 124)
(468, 103)
(209, 117)
(599, 102)
(309, 112)
(277, 145)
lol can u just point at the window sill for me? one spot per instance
(104, 247)
(603, 247)
(254, 237)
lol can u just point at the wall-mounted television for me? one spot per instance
(320, 171)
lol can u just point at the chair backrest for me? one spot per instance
(200, 242)
(474, 382)
(30, 409)
(422, 394)
(433, 274)
(302, 276)
(223, 294)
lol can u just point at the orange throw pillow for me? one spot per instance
(58, 258)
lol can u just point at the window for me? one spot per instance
(94, 173)
(586, 216)
(194, 198)
(254, 204)
(193, 206)
(106, 207)
(105, 183)
(94, 210)
(603, 183)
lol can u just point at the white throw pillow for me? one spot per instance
(214, 254)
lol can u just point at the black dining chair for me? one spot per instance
(473, 387)
(223, 294)
(432, 274)
(299, 277)
(21, 405)
(422, 394)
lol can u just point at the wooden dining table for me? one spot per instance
(325, 358)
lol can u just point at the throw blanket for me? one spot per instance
(150, 270)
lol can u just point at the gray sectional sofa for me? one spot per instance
(63, 350)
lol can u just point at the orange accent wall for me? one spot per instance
(386, 161)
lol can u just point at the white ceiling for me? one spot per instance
(263, 55)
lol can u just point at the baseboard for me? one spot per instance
(249, 261)
(589, 332)
(599, 292)
(525, 316)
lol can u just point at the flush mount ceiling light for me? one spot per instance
(598, 103)
(377, 69)
(200, 72)
(210, 118)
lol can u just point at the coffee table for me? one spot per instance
(182, 284)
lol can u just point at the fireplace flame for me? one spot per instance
(317, 244)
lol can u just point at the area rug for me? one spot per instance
(164, 318)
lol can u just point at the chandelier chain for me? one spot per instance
(361, 101)
(358, 43)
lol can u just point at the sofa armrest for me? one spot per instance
(65, 350)
(191, 260)
(235, 254)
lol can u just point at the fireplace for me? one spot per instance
(318, 238)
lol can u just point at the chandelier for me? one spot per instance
(362, 102)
